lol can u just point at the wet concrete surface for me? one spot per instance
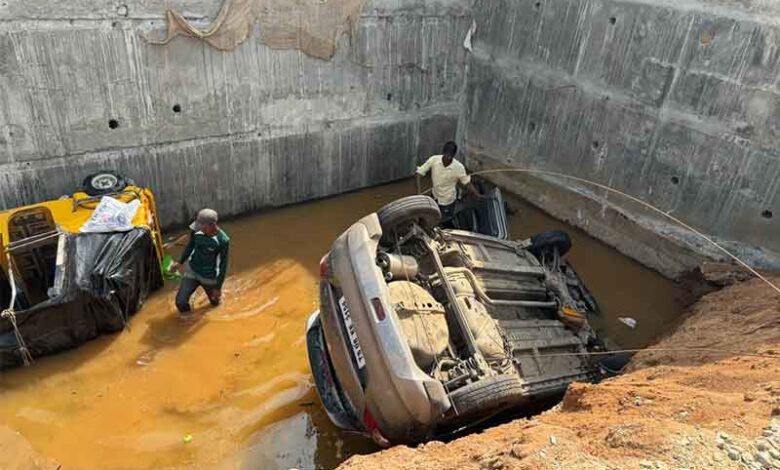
(236, 377)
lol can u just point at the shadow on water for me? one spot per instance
(236, 378)
(170, 331)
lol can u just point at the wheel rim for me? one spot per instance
(104, 181)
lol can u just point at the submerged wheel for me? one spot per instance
(104, 182)
(396, 217)
(545, 243)
(488, 395)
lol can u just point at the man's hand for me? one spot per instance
(473, 190)
(177, 267)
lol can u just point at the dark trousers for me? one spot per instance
(447, 212)
(187, 287)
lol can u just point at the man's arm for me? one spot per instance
(223, 265)
(473, 190)
(422, 170)
(465, 180)
(185, 255)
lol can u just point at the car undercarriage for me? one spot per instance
(481, 324)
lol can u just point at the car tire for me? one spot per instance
(398, 215)
(545, 243)
(487, 396)
(104, 182)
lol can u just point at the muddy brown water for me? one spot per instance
(237, 379)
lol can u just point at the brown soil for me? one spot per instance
(672, 410)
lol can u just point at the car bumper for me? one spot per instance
(328, 388)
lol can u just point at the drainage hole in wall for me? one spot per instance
(177, 108)
(767, 214)
(538, 5)
(113, 123)
(532, 126)
(389, 96)
(675, 180)
(612, 20)
(114, 24)
(595, 144)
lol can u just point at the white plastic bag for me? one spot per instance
(112, 215)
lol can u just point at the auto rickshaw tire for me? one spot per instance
(397, 216)
(104, 182)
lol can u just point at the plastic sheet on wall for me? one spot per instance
(311, 26)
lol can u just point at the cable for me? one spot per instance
(10, 315)
(689, 350)
(640, 202)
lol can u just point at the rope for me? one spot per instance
(640, 202)
(688, 350)
(10, 315)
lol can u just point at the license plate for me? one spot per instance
(352, 333)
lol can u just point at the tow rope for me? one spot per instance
(683, 350)
(647, 205)
(10, 315)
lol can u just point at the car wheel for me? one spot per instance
(545, 243)
(397, 216)
(104, 182)
(488, 395)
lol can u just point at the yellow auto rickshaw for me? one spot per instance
(76, 267)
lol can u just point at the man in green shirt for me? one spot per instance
(204, 261)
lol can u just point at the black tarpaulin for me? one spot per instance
(106, 277)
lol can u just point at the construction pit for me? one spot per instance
(671, 103)
(232, 389)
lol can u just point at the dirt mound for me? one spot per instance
(672, 410)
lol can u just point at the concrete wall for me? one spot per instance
(256, 127)
(674, 102)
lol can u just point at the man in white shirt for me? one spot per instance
(446, 173)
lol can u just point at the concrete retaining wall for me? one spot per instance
(674, 102)
(81, 90)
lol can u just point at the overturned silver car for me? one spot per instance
(423, 331)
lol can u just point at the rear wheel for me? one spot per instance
(487, 396)
(397, 217)
(104, 182)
